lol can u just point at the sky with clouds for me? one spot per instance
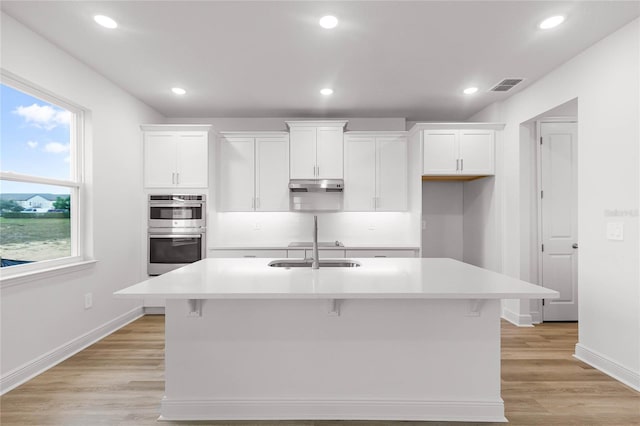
(34, 140)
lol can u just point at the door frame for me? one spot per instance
(538, 134)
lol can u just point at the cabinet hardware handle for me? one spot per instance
(177, 178)
(380, 256)
(457, 164)
(575, 245)
(318, 175)
(173, 178)
(257, 202)
(461, 164)
(249, 255)
(253, 203)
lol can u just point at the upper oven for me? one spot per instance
(177, 211)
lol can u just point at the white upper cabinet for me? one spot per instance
(176, 156)
(254, 172)
(466, 152)
(316, 149)
(375, 171)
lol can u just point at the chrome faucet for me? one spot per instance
(315, 264)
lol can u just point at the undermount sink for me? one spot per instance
(306, 263)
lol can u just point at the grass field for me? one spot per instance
(34, 239)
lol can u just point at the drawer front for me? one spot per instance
(381, 253)
(295, 254)
(280, 254)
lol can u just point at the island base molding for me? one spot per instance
(220, 410)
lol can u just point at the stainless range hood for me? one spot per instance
(316, 185)
(316, 195)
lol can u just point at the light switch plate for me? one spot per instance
(615, 231)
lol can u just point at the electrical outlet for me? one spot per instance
(372, 227)
(256, 226)
(88, 300)
(615, 231)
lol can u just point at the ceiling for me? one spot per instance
(270, 59)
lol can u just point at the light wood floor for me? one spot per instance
(119, 381)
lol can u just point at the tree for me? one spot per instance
(62, 203)
(10, 205)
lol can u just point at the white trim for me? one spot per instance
(608, 366)
(318, 409)
(25, 372)
(517, 319)
(58, 268)
(456, 126)
(388, 133)
(18, 177)
(254, 134)
(317, 123)
(536, 316)
(154, 310)
(175, 127)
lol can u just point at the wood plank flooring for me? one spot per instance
(119, 381)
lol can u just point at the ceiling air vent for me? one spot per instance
(506, 84)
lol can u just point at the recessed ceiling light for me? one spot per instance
(326, 91)
(551, 22)
(105, 21)
(178, 91)
(328, 22)
(470, 90)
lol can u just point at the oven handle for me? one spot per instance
(175, 235)
(181, 205)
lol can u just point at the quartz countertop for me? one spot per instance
(377, 278)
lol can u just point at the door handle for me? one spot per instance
(575, 245)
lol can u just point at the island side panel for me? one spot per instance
(402, 359)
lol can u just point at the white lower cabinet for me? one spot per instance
(280, 254)
(382, 253)
(254, 172)
(375, 171)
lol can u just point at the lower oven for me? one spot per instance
(171, 248)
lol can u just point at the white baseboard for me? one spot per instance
(536, 317)
(307, 409)
(154, 310)
(517, 319)
(608, 366)
(22, 374)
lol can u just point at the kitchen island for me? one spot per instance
(401, 339)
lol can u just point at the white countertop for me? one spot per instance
(378, 278)
(345, 247)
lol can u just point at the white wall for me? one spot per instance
(604, 79)
(42, 316)
(479, 223)
(442, 215)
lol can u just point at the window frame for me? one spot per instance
(76, 184)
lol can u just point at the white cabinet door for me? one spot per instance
(440, 152)
(272, 174)
(159, 159)
(476, 152)
(329, 151)
(237, 178)
(302, 148)
(360, 174)
(391, 174)
(192, 157)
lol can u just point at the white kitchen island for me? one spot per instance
(401, 339)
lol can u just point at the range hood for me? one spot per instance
(316, 185)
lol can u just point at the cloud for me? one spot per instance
(32, 144)
(43, 116)
(56, 147)
(67, 159)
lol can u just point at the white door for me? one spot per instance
(440, 151)
(272, 174)
(391, 174)
(329, 152)
(476, 152)
(360, 174)
(237, 176)
(559, 217)
(302, 148)
(159, 159)
(193, 160)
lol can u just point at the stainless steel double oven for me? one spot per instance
(176, 231)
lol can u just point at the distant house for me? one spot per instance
(37, 201)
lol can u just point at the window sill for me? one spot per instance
(7, 281)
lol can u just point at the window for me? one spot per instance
(40, 179)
